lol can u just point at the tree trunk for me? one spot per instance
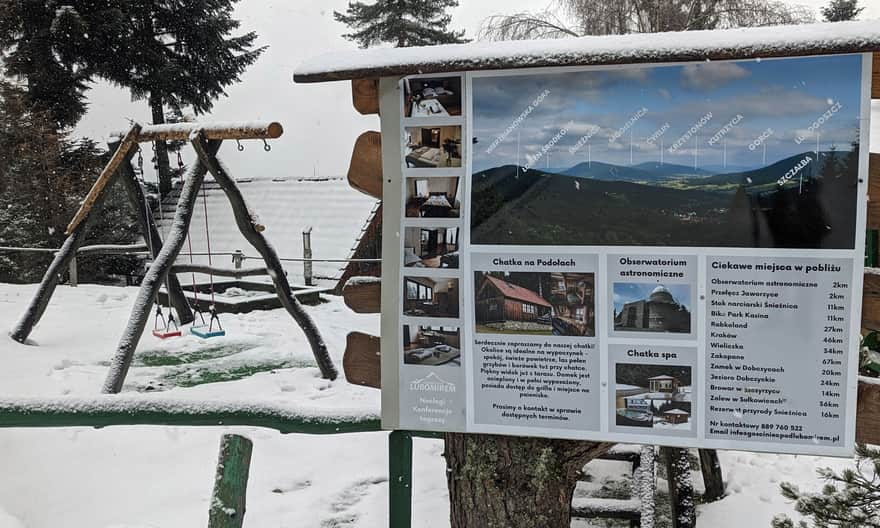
(711, 468)
(512, 482)
(162, 162)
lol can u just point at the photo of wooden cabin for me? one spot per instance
(432, 96)
(574, 304)
(430, 247)
(535, 303)
(431, 345)
(430, 296)
(432, 198)
(505, 307)
(651, 396)
(432, 147)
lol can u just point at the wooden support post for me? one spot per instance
(868, 412)
(873, 191)
(153, 279)
(875, 76)
(247, 226)
(711, 468)
(107, 175)
(307, 257)
(72, 272)
(75, 238)
(150, 232)
(681, 488)
(230, 484)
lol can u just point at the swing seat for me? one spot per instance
(205, 333)
(165, 334)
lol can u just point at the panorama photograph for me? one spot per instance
(754, 153)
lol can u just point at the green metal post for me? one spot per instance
(871, 249)
(400, 479)
(230, 484)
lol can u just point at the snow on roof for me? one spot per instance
(740, 43)
(662, 377)
(519, 293)
(676, 411)
(335, 212)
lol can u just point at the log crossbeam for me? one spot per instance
(211, 131)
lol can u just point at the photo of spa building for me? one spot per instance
(657, 401)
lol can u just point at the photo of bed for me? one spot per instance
(430, 297)
(432, 97)
(430, 247)
(432, 198)
(433, 147)
(431, 345)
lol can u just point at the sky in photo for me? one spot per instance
(626, 292)
(622, 110)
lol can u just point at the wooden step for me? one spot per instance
(592, 508)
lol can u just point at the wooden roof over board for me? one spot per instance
(741, 43)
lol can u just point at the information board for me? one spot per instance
(668, 254)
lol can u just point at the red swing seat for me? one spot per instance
(165, 334)
(165, 330)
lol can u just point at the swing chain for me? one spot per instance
(159, 317)
(171, 320)
(214, 317)
(266, 146)
(239, 146)
(140, 161)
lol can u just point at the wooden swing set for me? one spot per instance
(205, 140)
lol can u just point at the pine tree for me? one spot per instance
(43, 177)
(402, 23)
(850, 499)
(173, 54)
(38, 49)
(178, 55)
(839, 10)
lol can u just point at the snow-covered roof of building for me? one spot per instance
(516, 292)
(335, 212)
(740, 43)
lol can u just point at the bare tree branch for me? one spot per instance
(565, 18)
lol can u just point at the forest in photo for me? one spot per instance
(701, 155)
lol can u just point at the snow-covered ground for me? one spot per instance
(139, 477)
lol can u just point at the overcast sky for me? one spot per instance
(320, 123)
(628, 116)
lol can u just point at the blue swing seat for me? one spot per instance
(205, 332)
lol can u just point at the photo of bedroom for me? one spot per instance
(430, 247)
(433, 146)
(432, 198)
(430, 297)
(432, 97)
(431, 345)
